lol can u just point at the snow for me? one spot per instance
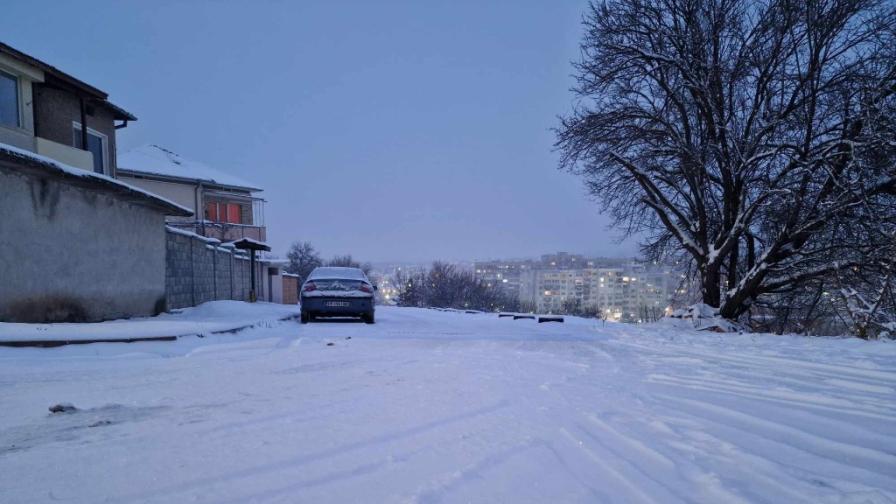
(191, 234)
(430, 406)
(701, 316)
(207, 318)
(160, 161)
(78, 172)
(249, 241)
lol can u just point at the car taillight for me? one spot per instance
(365, 288)
(309, 286)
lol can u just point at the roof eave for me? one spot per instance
(173, 178)
(53, 73)
(117, 112)
(168, 208)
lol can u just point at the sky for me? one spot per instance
(392, 131)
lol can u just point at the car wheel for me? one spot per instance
(368, 318)
(305, 317)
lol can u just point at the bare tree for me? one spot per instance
(410, 288)
(347, 261)
(650, 313)
(572, 306)
(525, 307)
(446, 286)
(868, 306)
(752, 139)
(303, 258)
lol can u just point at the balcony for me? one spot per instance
(223, 231)
(64, 153)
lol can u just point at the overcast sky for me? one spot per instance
(389, 130)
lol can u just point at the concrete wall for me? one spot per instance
(197, 271)
(73, 253)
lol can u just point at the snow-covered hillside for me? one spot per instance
(428, 406)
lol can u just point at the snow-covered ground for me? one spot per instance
(429, 406)
(204, 319)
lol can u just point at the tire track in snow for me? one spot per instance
(440, 489)
(657, 459)
(742, 463)
(631, 489)
(292, 489)
(312, 457)
(799, 367)
(842, 407)
(875, 460)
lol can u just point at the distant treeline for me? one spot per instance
(445, 286)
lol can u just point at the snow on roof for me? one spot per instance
(249, 243)
(332, 272)
(109, 182)
(155, 160)
(250, 240)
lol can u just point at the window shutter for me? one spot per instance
(233, 213)
(211, 212)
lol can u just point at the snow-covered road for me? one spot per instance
(428, 406)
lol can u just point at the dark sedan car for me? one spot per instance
(337, 292)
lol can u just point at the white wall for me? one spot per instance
(182, 194)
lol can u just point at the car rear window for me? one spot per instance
(338, 284)
(330, 272)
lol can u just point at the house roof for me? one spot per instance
(58, 78)
(162, 163)
(23, 158)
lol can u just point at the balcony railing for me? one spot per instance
(223, 231)
(67, 154)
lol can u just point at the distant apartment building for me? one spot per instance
(615, 289)
(549, 290)
(562, 260)
(225, 207)
(503, 274)
(631, 293)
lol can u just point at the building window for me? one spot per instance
(97, 144)
(229, 213)
(211, 212)
(234, 216)
(9, 100)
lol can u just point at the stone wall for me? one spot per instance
(223, 274)
(199, 269)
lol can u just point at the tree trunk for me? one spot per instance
(710, 285)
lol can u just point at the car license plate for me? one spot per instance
(338, 304)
